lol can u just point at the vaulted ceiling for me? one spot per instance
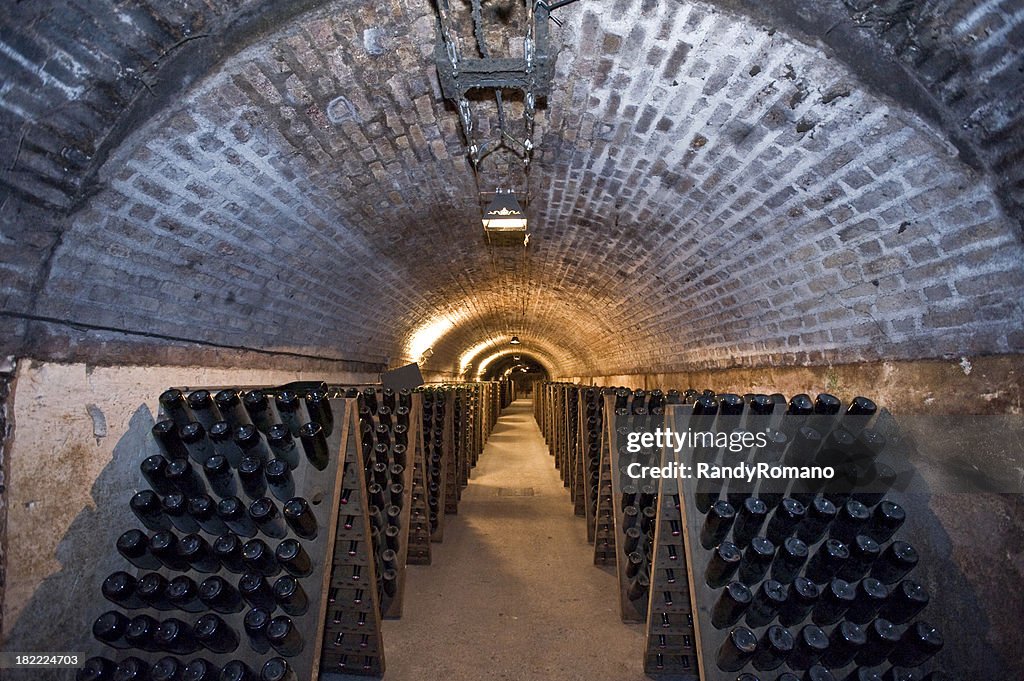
(712, 186)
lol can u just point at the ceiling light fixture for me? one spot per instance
(514, 341)
(504, 214)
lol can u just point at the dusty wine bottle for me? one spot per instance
(919, 643)
(775, 646)
(236, 670)
(250, 474)
(148, 509)
(219, 476)
(790, 559)
(141, 633)
(882, 637)
(256, 591)
(250, 440)
(787, 516)
(765, 606)
(811, 643)
(282, 444)
(184, 477)
(198, 554)
(314, 444)
(201, 669)
(97, 669)
(277, 669)
(183, 594)
(907, 600)
(221, 436)
(757, 557)
(319, 409)
(827, 561)
(820, 512)
(218, 594)
(290, 595)
(174, 407)
(257, 406)
(131, 669)
(800, 600)
(871, 596)
(851, 519)
(175, 506)
(863, 552)
(267, 518)
(167, 668)
(293, 413)
(749, 520)
(279, 479)
(258, 556)
(846, 641)
(120, 588)
(722, 566)
(730, 606)
(294, 559)
(255, 624)
(167, 438)
(834, 601)
(284, 637)
(215, 634)
(134, 546)
(200, 403)
(228, 549)
(886, 519)
(230, 407)
(717, 524)
(736, 650)
(109, 629)
(895, 562)
(300, 518)
(193, 436)
(202, 508)
(175, 636)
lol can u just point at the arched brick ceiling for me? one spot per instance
(702, 187)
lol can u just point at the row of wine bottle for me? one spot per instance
(879, 643)
(172, 668)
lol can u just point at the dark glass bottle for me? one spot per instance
(202, 508)
(294, 559)
(820, 512)
(250, 440)
(863, 552)
(846, 641)
(300, 518)
(277, 669)
(756, 559)
(175, 636)
(141, 633)
(183, 594)
(787, 516)
(775, 646)
(901, 674)
(164, 547)
(284, 637)
(183, 476)
(730, 606)
(132, 669)
(292, 412)
(236, 670)
(197, 553)
(168, 668)
(167, 439)
(919, 643)
(119, 588)
(219, 476)
(283, 445)
(319, 409)
(765, 606)
(255, 624)
(228, 549)
(907, 600)
(835, 599)
(314, 444)
(717, 524)
(174, 407)
(811, 643)
(234, 514)
(250, 473)
(851, 520)
(200, 402)
(290, 595)
(134, 546)
(201, 669)
(258, 556)
(255, 590)
(817, 672)
(826, 562)
(147, 508)
(802, 596)
(152, 589)
(154, 469)
(885, 520)
(222, 438)
(871, 596)
(175, 507)
(193, 436)
(279, 479)
(751, 516)
(109, 629)
(736, 650)
(895, 562)
(215, 634)
(258, 407)
(268, 519)
(790, 559)
(97, 669)
(218, 594)
(882, 637)
(722, 566)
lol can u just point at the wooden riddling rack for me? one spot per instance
(358, 556)
(668, 591)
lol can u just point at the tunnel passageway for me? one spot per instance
(511, 593)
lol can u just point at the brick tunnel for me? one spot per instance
(789, 197)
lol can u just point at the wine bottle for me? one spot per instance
(218, 594)
(279, 479)
(802, 596)
(198, 554)
(790, 559)
(228, 549)
(97, 669)
(230, 407)
(219, 476)
(811, 643)
(234, 514)
(167, 668)
(268, 519)
(132, 669)
(293, 413)
(109, 629)
(202, 508)
(731, 604)
(765, 606)
(168, 440)
(871, 596)
(284, 637)
(756, 559)
(183, 594)
(717, 524)
(221, 436)
(851, 520)
(290, 595)
(919, 643)
(300, 517)
(314, 444)
(722, 566)
(774, 647)
(250, 440)
(250, 474)
(141, 633)
(835, 600)
(882, 637)
(255, 591)
(817, 672)
(258, 556)
(184, 477)
(319, 409)
(827, 561)
(277, 669)
(120, 588)
(282, 444)
(193, 436)
(294, 559)
(886, 519)
(787, 516)
(134, 546)
(236, 670)
(258, 407)
(154, 468)
(736, 650)
(749, 520)
(175, 636)
(200, 403)
(895, 562)
(255, 624)
(908, 598)
(174, 407)
(148, 509)
(863, 552)
(201, 669)
(215, 634)
(820, 512)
